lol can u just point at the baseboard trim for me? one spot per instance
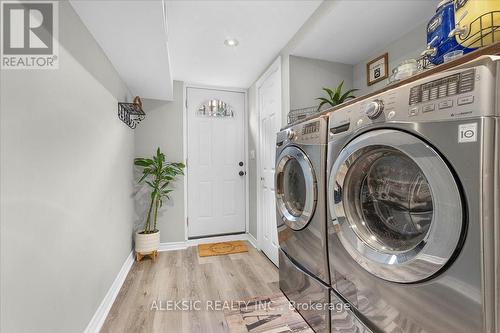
(173, 246)
(252, 240)
(102, 311)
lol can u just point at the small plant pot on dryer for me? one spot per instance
(146, 244)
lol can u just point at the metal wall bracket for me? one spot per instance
(131, 113)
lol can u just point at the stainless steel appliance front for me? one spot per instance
(301, 195)
(301, 217)
(305, 293)
(397, 205)
(410, 208)
(296, 188)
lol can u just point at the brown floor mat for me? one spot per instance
(217, 249)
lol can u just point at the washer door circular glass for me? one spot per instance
(296, 191)
(397, 204)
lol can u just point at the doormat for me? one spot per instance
(218, 249)
(272, 314)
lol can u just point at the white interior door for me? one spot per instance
(216, 164)
(269, 105)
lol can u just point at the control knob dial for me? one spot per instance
(374, 109)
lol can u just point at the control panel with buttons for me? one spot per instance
(309, 132)
(444, 87)
(445, 104)
(310, 128)
(428, 108)
(452, 95)
(435, 95)
(465, 100)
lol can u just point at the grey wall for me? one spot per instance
(407, 47)
(163, 127)
(303, 78)
(66, 194)
(308, 76)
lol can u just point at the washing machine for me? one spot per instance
(413, 203)
(300, 178)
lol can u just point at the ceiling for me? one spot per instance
(133, 34)
(197, 30)
(152, 42)
(351, 30)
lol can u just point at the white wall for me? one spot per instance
(66, 186)
(253, 140)
(163, 127)
(308, 77)
(407, 47)
(285, 86)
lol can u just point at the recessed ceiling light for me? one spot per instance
(231, 42)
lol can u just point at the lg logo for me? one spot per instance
(467, 132)
(29, 32)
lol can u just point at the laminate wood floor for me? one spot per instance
(152, 287)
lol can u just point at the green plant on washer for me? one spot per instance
(335, 97)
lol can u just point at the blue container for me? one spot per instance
(438, 29)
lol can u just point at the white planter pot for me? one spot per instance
(147, 243)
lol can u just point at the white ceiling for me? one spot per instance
(197, 30)
(352, 29)
(150, 48)
(133, 34)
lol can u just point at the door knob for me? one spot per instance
(240, 164)
(241, 173)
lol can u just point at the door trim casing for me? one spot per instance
(187, 85)
(275, 66)
(432, 253)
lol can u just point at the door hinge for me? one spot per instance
(186, 103)
(187, 221)
(186, 162)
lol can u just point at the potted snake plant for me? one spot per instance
(335, 97)
(157, 174)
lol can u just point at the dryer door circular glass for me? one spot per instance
(296, 190)
(397, 204)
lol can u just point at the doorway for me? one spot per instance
(269, 110)
(216, 163)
